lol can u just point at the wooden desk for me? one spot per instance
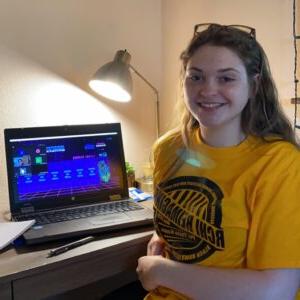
(27, 273)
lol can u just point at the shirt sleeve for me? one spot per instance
(166, 157)
(274, 234)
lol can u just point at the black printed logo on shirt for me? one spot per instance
(188, 215)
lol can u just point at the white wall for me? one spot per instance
(50, 49)
(271, 18)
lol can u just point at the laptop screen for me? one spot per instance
(65, 165)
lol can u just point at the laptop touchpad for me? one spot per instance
(111, 218)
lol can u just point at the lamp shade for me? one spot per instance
(113, 80)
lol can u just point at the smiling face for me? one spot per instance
(216, 88)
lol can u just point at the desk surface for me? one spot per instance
(27, 272)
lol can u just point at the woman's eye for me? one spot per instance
(194, 77)
(226, 79)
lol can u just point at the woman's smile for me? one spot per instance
(210, 106)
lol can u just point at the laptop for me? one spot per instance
(71, 180)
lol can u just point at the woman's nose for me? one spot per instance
(208, 87)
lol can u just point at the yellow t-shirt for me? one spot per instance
(232, 207)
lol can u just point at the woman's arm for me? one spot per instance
(205, 283)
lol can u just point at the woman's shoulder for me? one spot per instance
(281, 146)
(170, 140)
(279, 149)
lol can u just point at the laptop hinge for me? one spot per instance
(27, 209)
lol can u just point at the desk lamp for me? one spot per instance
(113, 81)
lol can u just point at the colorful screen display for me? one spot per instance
(72, 165)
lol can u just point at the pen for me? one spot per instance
(70, 246)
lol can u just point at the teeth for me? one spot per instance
(210, 105)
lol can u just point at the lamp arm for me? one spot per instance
(157, 98)
(140, 75)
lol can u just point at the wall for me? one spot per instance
(50, 49)
(271, 18)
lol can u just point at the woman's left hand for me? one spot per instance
(149, 270)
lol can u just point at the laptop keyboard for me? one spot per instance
(80, 212)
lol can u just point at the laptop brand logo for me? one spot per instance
(115, 197)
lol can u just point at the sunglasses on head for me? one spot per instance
(203, 26)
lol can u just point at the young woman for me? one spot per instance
(227, 197)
